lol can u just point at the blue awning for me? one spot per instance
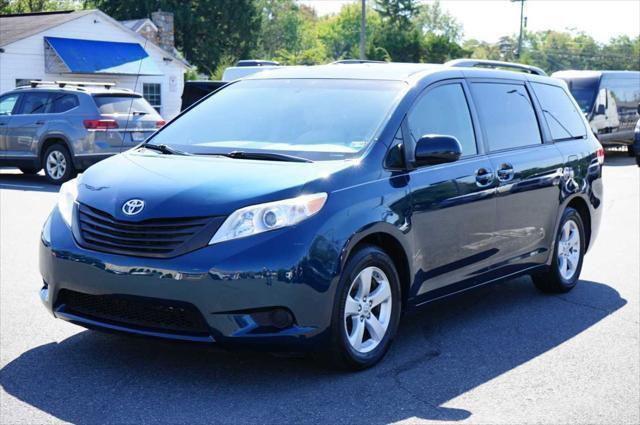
(102, 57)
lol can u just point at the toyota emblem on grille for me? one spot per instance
(133, 206)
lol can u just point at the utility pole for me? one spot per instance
(521, 26)
(362, 30)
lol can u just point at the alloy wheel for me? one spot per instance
(367, 312)
(569, 250)
(56, 165)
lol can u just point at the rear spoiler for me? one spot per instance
(484, 63)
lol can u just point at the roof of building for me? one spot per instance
(17, 27)
(136, 24)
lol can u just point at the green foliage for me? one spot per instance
(205, 30)
(26, 6)
(224, 63)
(212, 34)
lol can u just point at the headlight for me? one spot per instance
(264, 217)
(66, 200)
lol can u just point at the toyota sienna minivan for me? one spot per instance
(305, 209)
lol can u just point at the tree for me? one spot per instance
(340, 34)
(205, 30)
(430, 18)
(399, 36)
(27, 6)
(289, 33)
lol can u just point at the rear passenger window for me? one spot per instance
(444, 110)
(507, 115)
(563, 119)
(35, 103)
(63, 103)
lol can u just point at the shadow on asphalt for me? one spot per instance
(17, 181)
(446, 350)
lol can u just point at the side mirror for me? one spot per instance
(638, 108)
(434, 149)
(600, 110)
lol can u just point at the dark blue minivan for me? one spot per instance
(307, 208)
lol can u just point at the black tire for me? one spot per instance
(552, 280)
(631, 151)
(69, 170)
(341, 353)
(29, 170)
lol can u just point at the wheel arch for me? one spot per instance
(580, 205)
(51, 140)
(395, 246)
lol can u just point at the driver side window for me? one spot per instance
(444, 110)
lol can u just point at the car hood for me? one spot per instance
(194, 186)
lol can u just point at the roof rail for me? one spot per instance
(354, 61)
(472, 63)
(36, 83)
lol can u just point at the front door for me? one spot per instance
(26, 125)
(7, 106)
(453, 205)
(528, 171)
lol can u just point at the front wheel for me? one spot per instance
(367, 310)
(568, 255)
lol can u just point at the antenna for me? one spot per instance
(126, 126)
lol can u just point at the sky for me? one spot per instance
(488, 20)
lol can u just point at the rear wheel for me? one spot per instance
(367, 310)
(568, 255)
(58, 166)
(631, 151)
(29, 170)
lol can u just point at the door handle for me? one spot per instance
(39, 122)
(3, 123)
(484, 177)
(505, 172)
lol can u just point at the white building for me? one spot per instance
(89, 45)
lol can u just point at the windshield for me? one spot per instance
(584, 90)
(122, 104)
(318, 119)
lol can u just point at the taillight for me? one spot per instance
(160, 123)
(600, 155)
(100, 124)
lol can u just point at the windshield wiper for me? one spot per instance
(164, 149)
(268, 156)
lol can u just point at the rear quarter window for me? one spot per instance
(63, 103)
(564, 120)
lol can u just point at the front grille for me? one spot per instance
(161, 237)
(137, 312)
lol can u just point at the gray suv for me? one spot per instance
(64, 127)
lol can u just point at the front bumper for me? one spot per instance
(233, 285)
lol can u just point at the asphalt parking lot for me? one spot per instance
(501, 354)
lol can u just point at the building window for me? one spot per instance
(151, 92)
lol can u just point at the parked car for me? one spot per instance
(195, 90)
(64, 126)
(248, 67)
(611, 102)
(307, 208)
